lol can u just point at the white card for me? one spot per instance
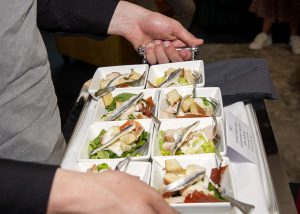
(239, 137)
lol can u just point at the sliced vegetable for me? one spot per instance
(216, 174)
(197, 197)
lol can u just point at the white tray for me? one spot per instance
(258, 190)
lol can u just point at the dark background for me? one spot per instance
(229, 21)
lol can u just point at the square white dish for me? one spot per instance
(156, 71)
(101, 73)
(94, 130)
(181, 123)
(140, 169)
(100, 108)
(213, 92)
(227, 182)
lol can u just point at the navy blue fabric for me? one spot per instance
(240, 79)
(25, 187)
(76, 17)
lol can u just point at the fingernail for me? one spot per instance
(157, 42)
(150, 45)
(166, 44)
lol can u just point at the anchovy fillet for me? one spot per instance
(114, 139)
(183, 136)
(126, 105)
(171, 78)
(183, 182)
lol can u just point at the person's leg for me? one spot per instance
(294, 38)
(267, 25)
(294, 26)
(264, 38)
(184, 11)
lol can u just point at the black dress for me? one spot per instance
(278, 10)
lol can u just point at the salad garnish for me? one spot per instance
(200, 191)
(124, 146)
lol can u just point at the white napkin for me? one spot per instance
(249, 188)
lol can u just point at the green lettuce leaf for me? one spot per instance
(131, 117)
(160, 80)
(183, 81)
(208, 147)
(96, 142)
(161, 136)
(216, 192)
(102, 166)
(104, 154)
(120, 98)
(141, 141)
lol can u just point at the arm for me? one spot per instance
(36, 188)
(159, 34)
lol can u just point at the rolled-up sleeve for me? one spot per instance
(75, 16)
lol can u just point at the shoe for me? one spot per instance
(295, 44)
(260, 41)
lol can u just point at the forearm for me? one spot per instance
(77, 192)
(24, 187)
(67, 194)
(76, 17)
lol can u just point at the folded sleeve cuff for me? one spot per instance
(25, 187)
(79, 17)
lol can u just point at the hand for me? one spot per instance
(159, 34)
(108, 192)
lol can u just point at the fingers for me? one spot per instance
(182, 34)
(159, 205)
(147, 200)
(185, 55)
(151, 58)
(178, 43)
(164, 52)
(160, 53)
(171, 52)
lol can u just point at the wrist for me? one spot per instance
(124, 22)
(63, 197)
